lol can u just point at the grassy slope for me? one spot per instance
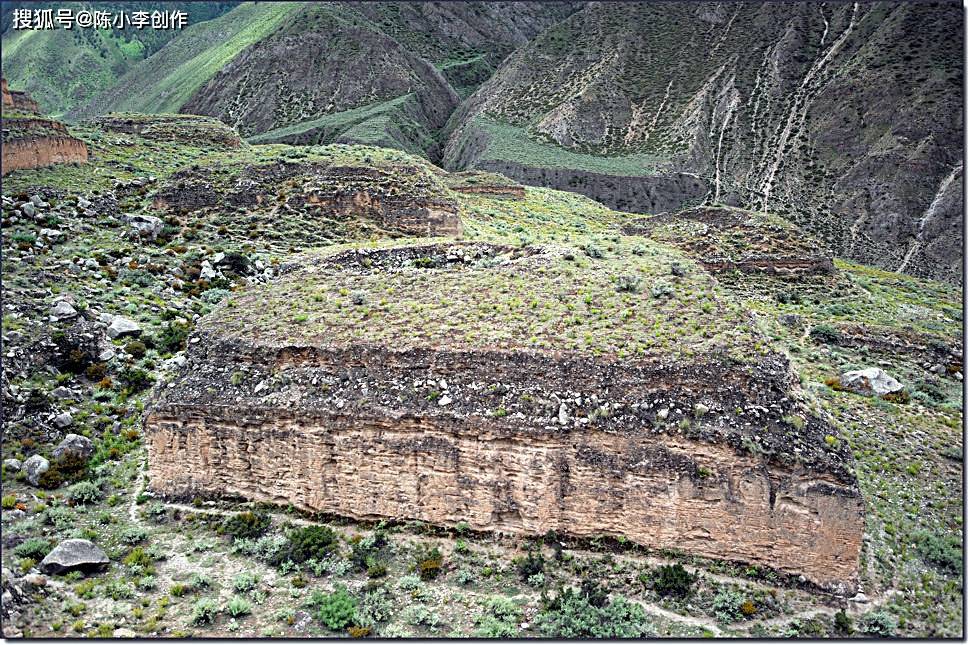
(164, 82)
(907, 454)
(336, 122)
(510, 143)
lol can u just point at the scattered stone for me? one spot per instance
(63, 420)
(563, 414)
(871, 381)
(700, 409)
(29, 210)
(121, 326)
(34, 467)
(61, 392)
(13, 465)
(790, 320)
(74, 555)
(663, 413)
(860, 598)
(445, 400)
(63, 310)
(76, 444)
(123, 632)
(145, 225)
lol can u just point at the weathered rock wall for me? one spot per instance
(704, 499)
(352, 431)
(38, 153)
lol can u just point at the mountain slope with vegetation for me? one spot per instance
(64, 68)
(845, 117)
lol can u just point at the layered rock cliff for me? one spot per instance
(712, 455)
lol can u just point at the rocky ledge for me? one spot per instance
(713, 456)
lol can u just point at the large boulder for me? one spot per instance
(145, 226)
(76, 444)
(121, 326)
(871, 381)
(62, 310)
(34, 467)
(74, 555)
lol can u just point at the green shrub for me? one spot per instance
(727, 606)
(138, 557)
(944, 552)
(337, 609)
(877, 623)
(204, 611)
(500, 618)
(309, 543)
(9, 502)
(571, 614)
(530, 565)
(824, 333)
(34, 548)
(173, 337)
(428, 562)
(238, 607)
(136, 348)
(245, 581)
(843, 624)
(246, 525)
(84, 492)
(672, 580)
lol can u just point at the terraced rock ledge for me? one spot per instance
(353, 412)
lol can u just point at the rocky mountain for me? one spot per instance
(845, 117)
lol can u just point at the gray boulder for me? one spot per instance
(144, 225)
(63, 420)
(121, 326)
(74, 443)
(871, 381)
(63, 310)
(35, 466)
(13, 465)
(74, 555)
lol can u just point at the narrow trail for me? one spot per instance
(140, 484)
(817, 605)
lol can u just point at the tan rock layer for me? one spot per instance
(703, 499)
(38, 153)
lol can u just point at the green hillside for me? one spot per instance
(64, 68)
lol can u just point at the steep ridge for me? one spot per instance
(846, 118)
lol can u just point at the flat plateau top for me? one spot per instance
(626, 298)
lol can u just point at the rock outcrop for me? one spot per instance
(33, 141)
(724, 239)
(708, 455)
(20, 101)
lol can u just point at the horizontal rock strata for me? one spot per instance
(703, 458)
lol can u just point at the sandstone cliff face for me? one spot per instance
(845, 117)
(38, 142)
(350, 431)
(38, 153)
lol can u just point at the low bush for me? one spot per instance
(672, 581)
(428, 562)
(34, 548)
(309, 543)
(337, 609)
(246, 525)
